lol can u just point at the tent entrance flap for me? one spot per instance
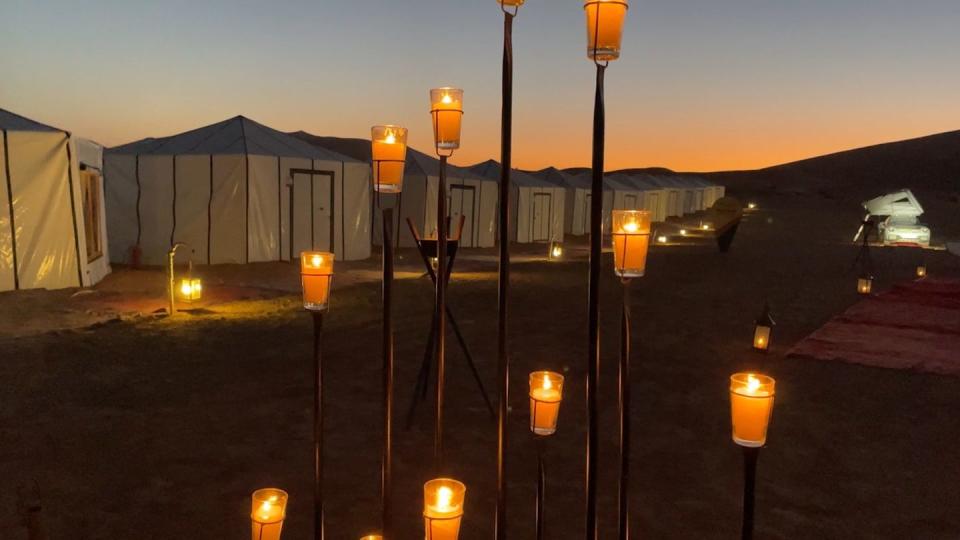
(541, 218)
(311, 211)
(461, 202)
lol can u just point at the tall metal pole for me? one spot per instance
(503, 354)
(750, 456)
(318, 532)
(386, 487)
(593, 311)
(624, 509)
(441, 305)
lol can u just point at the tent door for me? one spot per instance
(653, 206)
(629, 201)
(460, 202)
(311, 211)
(585, 215)
(672, 204)
(687, 202)
(540, 220)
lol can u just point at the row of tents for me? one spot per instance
(240, 192)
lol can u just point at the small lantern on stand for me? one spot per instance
(922, 270)
(446, 110)
(269, 509)
(443, 500)
(546, 393)
(555, 251)
(316, 276)
(751, 406)
(865, 284)
(761, 334)
(191, 288)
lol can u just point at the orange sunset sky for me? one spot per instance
(702, 85)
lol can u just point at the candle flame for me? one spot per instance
(706, 226)
(391, 139)
(683, 232)
(631, 226)
(444, 496)
(446, 100)
(662, 239)
(753, 383)
(316, 261)
(265, 508)
(185, 288)
(547, 383)
(557, 251)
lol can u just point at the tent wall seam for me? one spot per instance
(73, 209)
(13, 227)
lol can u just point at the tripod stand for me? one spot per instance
(427, 248)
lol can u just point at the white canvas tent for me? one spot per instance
(578, 195)
(235, 192)
(52, 228)
(536, 205)
(651, 194)
(468, 195)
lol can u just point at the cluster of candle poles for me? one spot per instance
(751, 395)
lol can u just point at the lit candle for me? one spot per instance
(389, 150)
(921, 270)
(316, 275)
(864, 284)
(269, 509)
(751, 405)
(662, 239)
(447, 109)
(683, 232)
(443, 500)
(631, 239)
(604, 28)
(372, 537)
(556, 250)
(761, 337)
(546, 393)
(752, 206)
(191, 289)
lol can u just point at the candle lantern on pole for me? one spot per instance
(631, 243)
(443, 500)
(316, 276)
(763, 330)
(446, 109)
(268, 510)
(546, 393)
(604, 20)
(191, 289)
(751, 407)
(922, 270)
(389, 153)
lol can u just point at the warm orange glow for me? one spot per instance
(446, 106)
(761, 338)
(751, 406)
(864, 285)
(922, 271)
(388, 152)
(191, 289)
(443, 501)
(269, 509)
(546, 393)
(316, 276)
(631, 241)
(604, 28)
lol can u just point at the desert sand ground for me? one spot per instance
(160, 428)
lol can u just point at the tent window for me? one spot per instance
(90, 182)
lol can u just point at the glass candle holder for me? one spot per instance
(631, 240)
(751, 406)
(446, 106)
(389, 154)
(604, 28)
(268, 510)
(372, 537)
(761, 337)
(546, 393)
(511, 3)
(191, 289)
(555, 251)
(921, 270)
(316, 276)
(865, 284)
(443, 500)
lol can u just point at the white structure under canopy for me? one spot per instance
(235, 192)
(536, 204)
(52, 227)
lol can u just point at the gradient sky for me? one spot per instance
(702, 84)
